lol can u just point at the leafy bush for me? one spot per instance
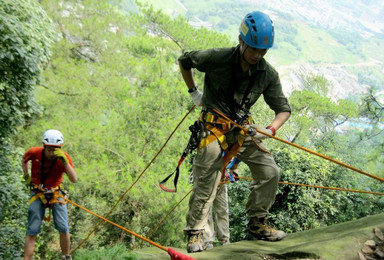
(298, 208)
(25, 40)
(116, 252)
(13, 204)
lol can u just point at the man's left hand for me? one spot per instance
(61, 155)
(258, 135)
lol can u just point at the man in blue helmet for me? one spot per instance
(234, 80)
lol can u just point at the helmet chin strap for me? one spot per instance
(242, 53)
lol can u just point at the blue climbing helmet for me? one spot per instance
(257, 30)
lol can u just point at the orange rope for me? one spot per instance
(116, 225)
(244, 129)
(137, 179)
(315, 186)
(331, 188)
(305, 149)
(161, 221)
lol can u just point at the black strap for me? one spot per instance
(43, 175)
(246, 98)
(196, 135)
(233, 86)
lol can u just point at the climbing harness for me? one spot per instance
(218, 127)
(48, 197)
(197, 130)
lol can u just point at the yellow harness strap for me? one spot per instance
(218, 127)
(49, 204)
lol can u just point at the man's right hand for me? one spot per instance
(27, 179)
(197, 97)
(232, 175)
(61, 155)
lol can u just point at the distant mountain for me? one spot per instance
(365, 17)
(341, 40)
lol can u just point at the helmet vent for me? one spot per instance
(252, 21)
(257, 30)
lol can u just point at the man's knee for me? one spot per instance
(271, 173)
(62, 227)
(275, 173)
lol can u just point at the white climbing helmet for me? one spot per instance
(53, 137)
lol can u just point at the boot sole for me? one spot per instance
(252, 237)
(193, 249)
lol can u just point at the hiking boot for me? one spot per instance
(259, 229)
(195, 241)
(208, 245)
(224, 242)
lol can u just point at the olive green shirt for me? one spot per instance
(225, 83)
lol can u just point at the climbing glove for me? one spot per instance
(61, 155)
(232, 175)
(257, 132)
(27, 179)
(197, 97)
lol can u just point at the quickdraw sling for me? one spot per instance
(196, 135)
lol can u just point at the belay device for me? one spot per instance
(197, 130)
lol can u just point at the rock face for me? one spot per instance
(342, 83)
(360, 239)
(373, 248)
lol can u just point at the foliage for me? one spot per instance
(352, 40)
(317, 117)
(110, 83)
(237, 198)
(295, 39)
(114, 89)
(25, 39)
(116, 252)
(13, 204)
(300, 208)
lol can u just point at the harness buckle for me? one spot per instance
(215, 120)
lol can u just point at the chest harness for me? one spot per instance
(48, 196)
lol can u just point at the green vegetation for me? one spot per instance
(112, 86)
(115, 252)
(295, 42)
(26, 34)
